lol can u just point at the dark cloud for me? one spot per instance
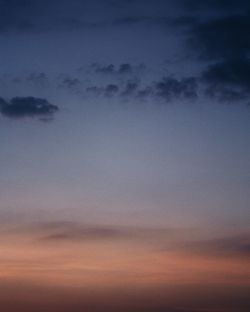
(224, 37)
(224, 41)
(228, 80)
(2, 103)
(125, 69)
(20, 107)
(167, 88)
(170, 88)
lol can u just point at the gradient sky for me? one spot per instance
(125, 155)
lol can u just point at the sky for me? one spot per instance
(125, 155)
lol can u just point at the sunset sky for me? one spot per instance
(125, 156)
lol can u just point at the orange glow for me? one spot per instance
(114, 263)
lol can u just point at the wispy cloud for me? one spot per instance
(225, 246)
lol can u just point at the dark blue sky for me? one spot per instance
(156, 91)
